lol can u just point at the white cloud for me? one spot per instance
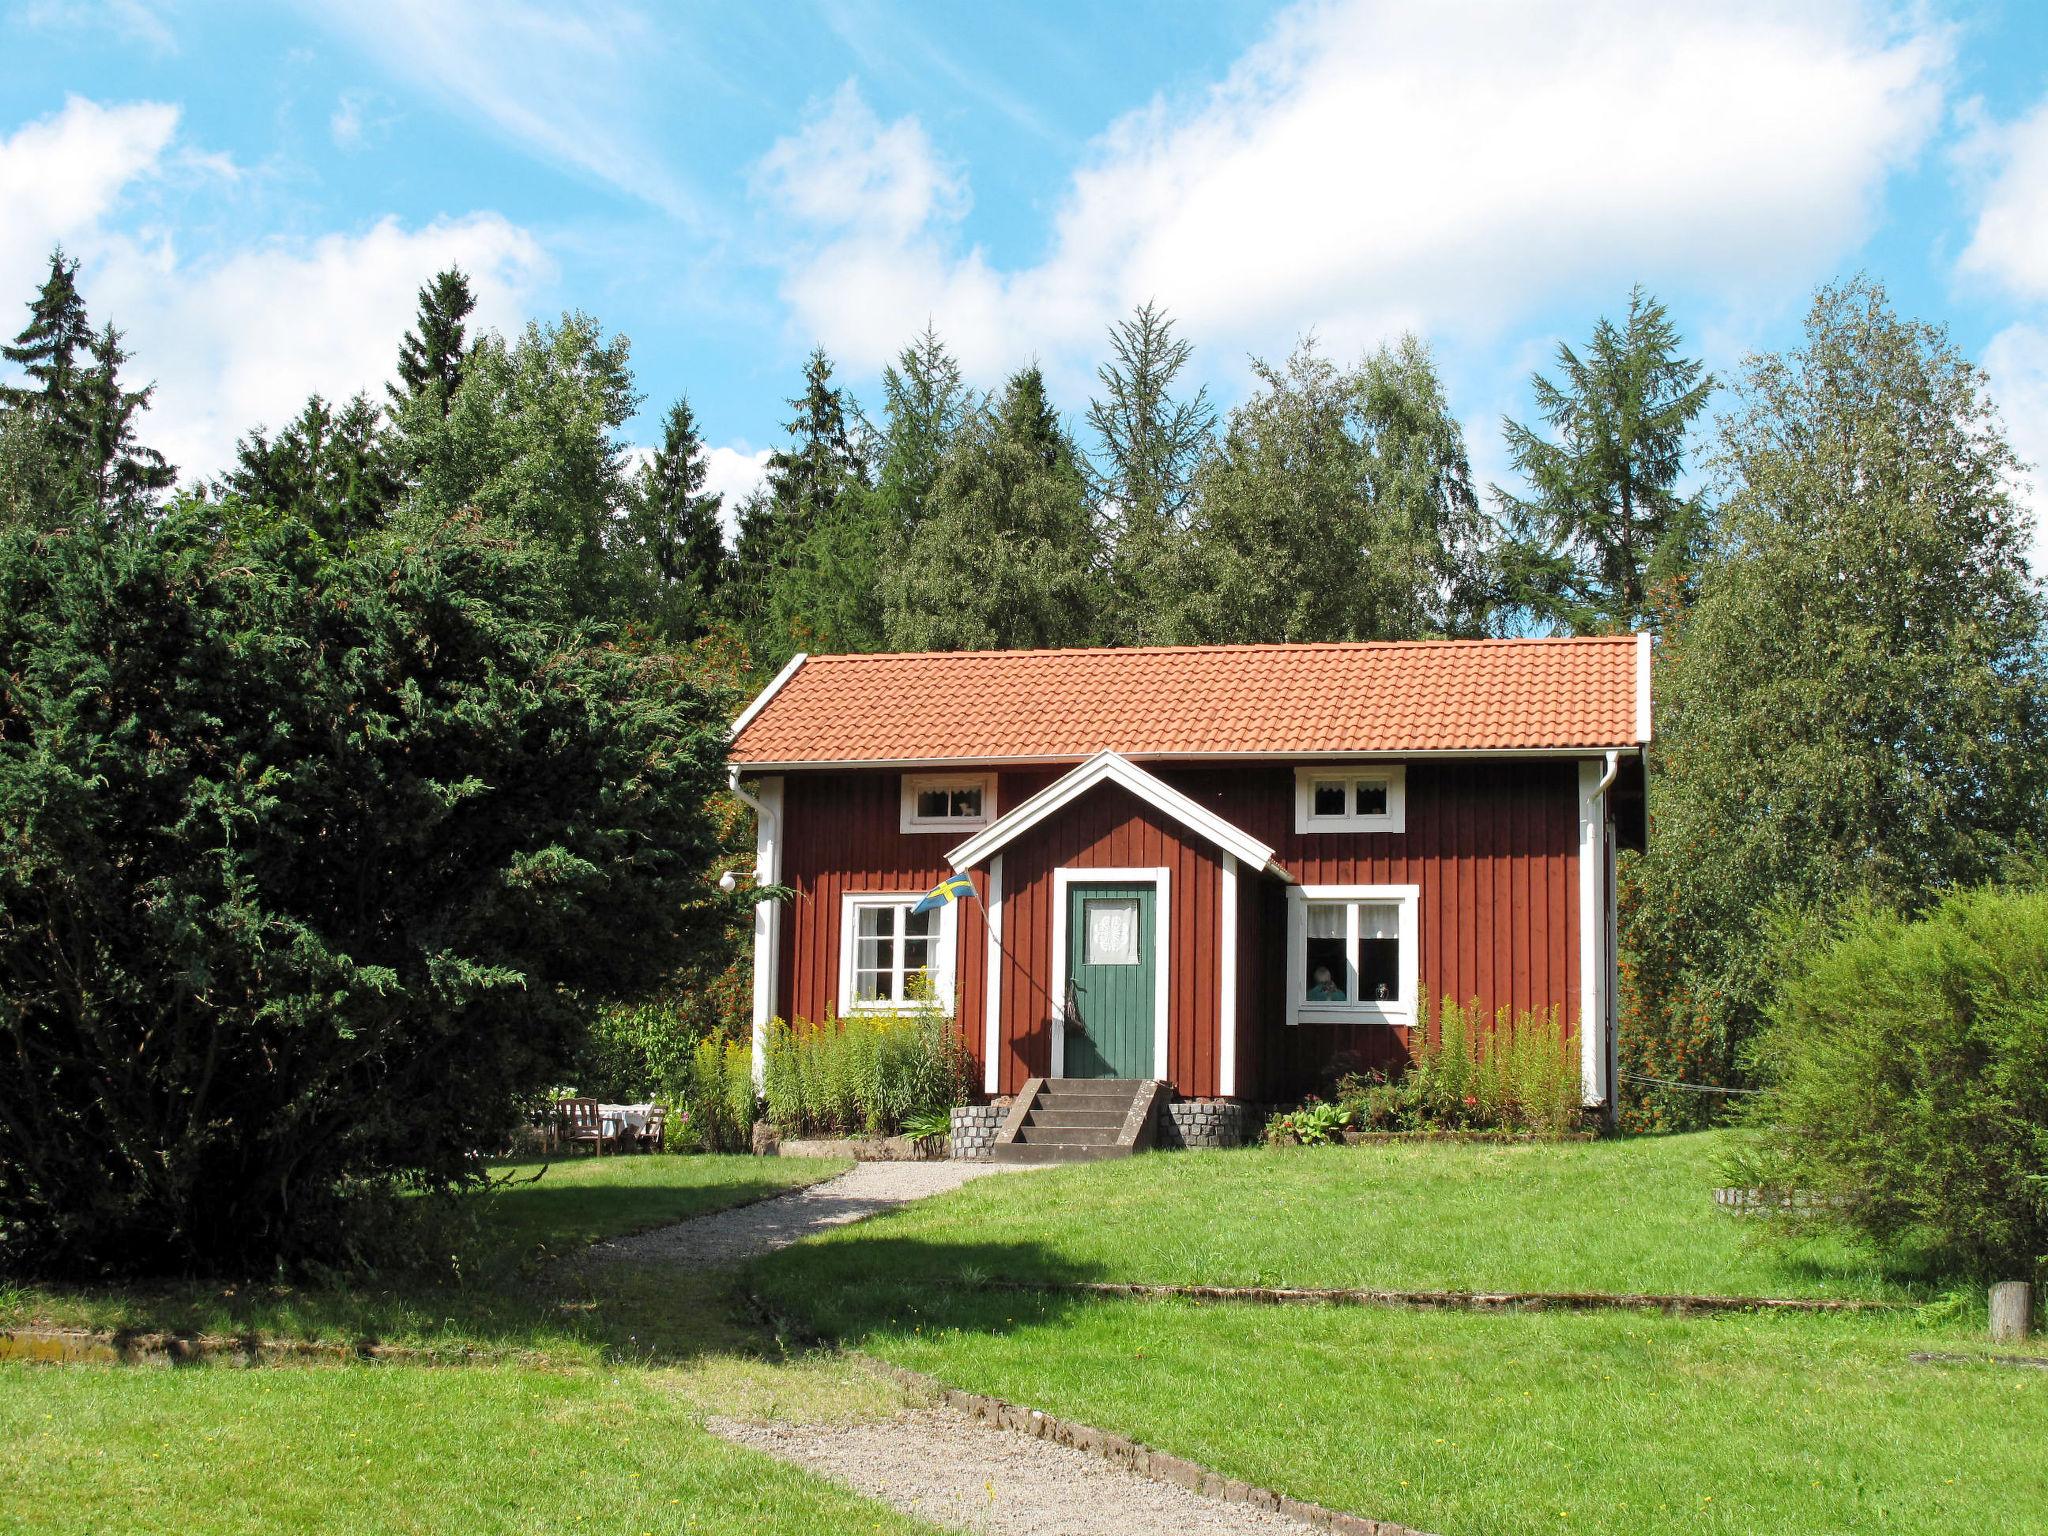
(61, 175)
(130, 20)
(562, 79)
(244, 338)
(1375, 164)
(359, 119)
(2017, 361)
(240, 336)
(734, 472)
(2010, 243)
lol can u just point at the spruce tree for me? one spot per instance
(119, 474)
(1007, 554)
(1604, 527)
(791, 543)
(675, 525)
(824, 459)
(924, 402)
(430, 357)
(328, 469)
(51, 349)
(73, 423)
(1151, 445)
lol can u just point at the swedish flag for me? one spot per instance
(952, 888)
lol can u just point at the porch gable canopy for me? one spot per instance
(1113, 768)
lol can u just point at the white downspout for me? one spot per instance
(767, 809)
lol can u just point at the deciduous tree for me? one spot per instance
(1855, 704)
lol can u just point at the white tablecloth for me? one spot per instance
(626, 1117)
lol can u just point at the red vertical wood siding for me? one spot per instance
(1493, 847)
(842, 835)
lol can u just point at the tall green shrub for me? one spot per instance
(865, 1074)
(717, 1099)
(312, 866)
(1523, 1074)
(1906, 1065)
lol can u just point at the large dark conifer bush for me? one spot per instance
(311, 864)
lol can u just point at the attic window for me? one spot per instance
(1350, 799)
(948, 802)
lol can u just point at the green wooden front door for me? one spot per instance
(1112, 971)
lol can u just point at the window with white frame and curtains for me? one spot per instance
(884, 947)
(1351, 954)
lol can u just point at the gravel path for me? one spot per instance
(727, 1237)
(955, 1471)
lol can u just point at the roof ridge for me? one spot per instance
(1325, 646)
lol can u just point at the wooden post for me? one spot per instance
(2012, 1306)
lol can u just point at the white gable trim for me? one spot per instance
(761, 699)
(1111, 768)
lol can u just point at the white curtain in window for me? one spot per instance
(1112, 932)
(1378, 920)
(1326, 921)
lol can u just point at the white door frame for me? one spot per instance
(1161, 879)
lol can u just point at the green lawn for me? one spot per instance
(503, 1294)
(1466, 1424)
(599, 1428)
(389, 1449)
(1623, 1215)
(1503, 1424)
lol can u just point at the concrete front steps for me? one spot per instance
(1079, 1119)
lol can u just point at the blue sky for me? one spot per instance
(257, 191)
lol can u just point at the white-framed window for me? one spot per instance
(1371, 799)
(948, 802)
(1351, 954)
(883, 945)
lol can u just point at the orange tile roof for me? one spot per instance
(1197, 701)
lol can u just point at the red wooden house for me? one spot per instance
(1230, 868)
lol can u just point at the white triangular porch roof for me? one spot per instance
(1113, 768)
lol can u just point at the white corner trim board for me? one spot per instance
(1642, 687)
(1593, 975)
(1113, 768)
(1158, 876)
(789, 670)
(992, 999)
(766, 795)
(1226, 985)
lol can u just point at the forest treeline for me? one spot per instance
(1828, 545)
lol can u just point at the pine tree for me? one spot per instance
(1604, 526)
(1151, 444)
(430, 358)
(1007, 554)
(675, 525)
